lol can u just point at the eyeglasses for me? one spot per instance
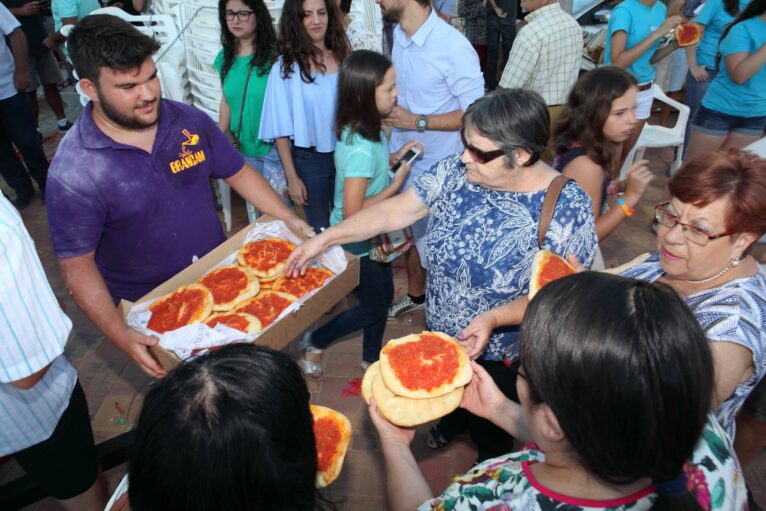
(240, 15)
(695, 234)
(478, 155)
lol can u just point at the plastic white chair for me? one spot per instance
(660, 136)
(758, 147)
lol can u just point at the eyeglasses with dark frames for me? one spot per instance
(240, 15)
(696, 235)
(478, 155)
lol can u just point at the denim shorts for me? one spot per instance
(711, 122)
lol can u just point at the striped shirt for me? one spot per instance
(732, 312)
(33, 332)
(546, 55)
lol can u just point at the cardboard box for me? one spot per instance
(281, 332)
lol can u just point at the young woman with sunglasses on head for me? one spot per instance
(366, 95)
(733, 111)
(597, 120)
(485, 206)
(614, 406)
(301, 97)
(244, 63)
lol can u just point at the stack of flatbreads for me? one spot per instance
(418, 378)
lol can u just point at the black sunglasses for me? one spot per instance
(478, 155)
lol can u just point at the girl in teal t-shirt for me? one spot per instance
(366, 94)
(244, 63)
(733, 111)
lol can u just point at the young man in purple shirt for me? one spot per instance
(129, 200)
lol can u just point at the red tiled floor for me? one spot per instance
(106, 372)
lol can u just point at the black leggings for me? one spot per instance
(491, 440)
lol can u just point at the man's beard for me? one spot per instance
(392, 15)
(121, 120)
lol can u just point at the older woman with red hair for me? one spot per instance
(716, 212)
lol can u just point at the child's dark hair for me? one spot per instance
(107, 41)
(229, 430)
(295, 46)
(264, 43)
(582, 119)
(360, 74)
(627, 372)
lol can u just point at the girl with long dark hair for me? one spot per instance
(299, 108)
(593, 126)
(244, 63)
(733, 111)
(615, 405)
(714, 17)
(366, 95)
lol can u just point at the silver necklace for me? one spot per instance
(725, 269)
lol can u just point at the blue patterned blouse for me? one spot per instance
(480, 244)
(734, 312)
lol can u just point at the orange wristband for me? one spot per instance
(625, 209)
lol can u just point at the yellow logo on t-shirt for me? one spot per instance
(187, 158)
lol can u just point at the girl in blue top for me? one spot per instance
(733, 111)
(635, 30)
(299, 108)
(367, 94)
(714, 16)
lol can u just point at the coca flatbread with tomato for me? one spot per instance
(267, 306)
(404, 411)
(687, 34)
(246, 323)
(547, 267)
(184, 306)
(332, 432)
(266, 257)
(428, 364)
(230, 285)
(314, 278)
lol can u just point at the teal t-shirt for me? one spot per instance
(233, 90)
(638, 21)
(746, 99)
(61, 9)
(355, 156)
(715, 18)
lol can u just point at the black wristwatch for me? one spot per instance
(421, 123)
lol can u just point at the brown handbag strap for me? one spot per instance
(549, 204)
(242, 106)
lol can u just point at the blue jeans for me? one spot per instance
(695, 91)
(270, 167)
(375, 292)
(317, 171)
(17, 126)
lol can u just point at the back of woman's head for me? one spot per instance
(752, 9)
(587, 109)
(229, 430)
(626, 370)
(736, 175)
(360, 74)
(513, 119)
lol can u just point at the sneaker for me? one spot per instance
(404, 305)
(63, 128)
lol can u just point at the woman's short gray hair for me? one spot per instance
(513, 119)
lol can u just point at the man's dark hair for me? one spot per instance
(107, 41)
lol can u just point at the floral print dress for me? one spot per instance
(507, 483)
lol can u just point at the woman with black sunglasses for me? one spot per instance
(485, 207)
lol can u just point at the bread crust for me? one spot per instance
(284, 282)
(160, 312)
(264, 320)
(542, 257)
(264, 273)
(253, 323)
(327, 476)
(250, 290)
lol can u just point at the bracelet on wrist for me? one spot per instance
(625, 209)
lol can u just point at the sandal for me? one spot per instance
(436, 440)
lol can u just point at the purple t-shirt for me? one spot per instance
(145, 215)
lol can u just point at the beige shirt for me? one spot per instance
(546, 55)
